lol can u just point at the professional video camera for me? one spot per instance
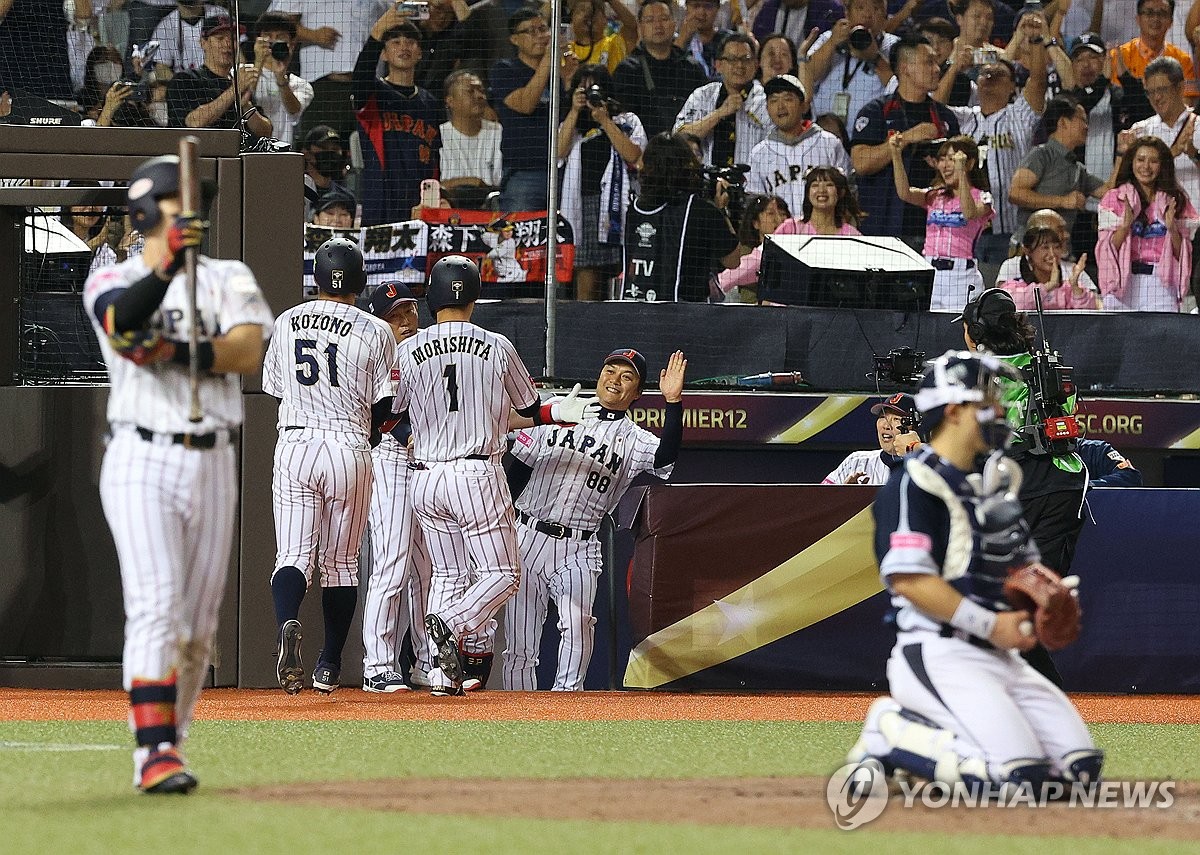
(735, 179)
(1050, 426)
(902, 366)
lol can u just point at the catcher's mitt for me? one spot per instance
(1040, 591)
(139, 346)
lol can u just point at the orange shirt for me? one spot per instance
(1135, 56)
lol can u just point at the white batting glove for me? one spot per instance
(574, 409)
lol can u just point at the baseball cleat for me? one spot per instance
(288, 666)
(385, 683)
(446, 691)
(165, 772)
(326, 678)
(449, 659)
(477, 667)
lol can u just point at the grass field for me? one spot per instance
(65, 786)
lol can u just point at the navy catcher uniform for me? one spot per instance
(572, 476)
(458, 383)
(964, 706)
(168, 486)
(398, 588)
(331, 365)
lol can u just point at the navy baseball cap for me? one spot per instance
(336, 195)
(901, 403)
(388, 296)
(1089, 41)
(630, 357)
(785, 83)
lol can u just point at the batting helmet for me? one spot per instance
(454, 281)
(338, 267)
(154, 179)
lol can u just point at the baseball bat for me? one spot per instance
(189, 198)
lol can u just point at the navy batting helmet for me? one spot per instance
(454, 281)
(154, 179)
(338, 267)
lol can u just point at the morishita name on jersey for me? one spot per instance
(566, 438)
(464, 344)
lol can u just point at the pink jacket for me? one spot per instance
(1154, 247)
(746, 273)
(1062, 297)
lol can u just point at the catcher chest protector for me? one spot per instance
(154, 179)
(338, 267)
(454, 281)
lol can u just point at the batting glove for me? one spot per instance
(187, 232)
(574, 409)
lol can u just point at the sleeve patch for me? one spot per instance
(395, 374)
(525, 438)
(911, 540)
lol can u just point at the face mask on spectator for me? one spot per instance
(331, 164)
(158, 112)
(107, 73)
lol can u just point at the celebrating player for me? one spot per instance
(399, 559)
(565, 479)
(330, 364)
(168, 486)
(458, 383)
(895, 424)
(964, 706)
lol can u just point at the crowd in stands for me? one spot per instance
(1016, 144)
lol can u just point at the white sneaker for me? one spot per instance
(385, 683)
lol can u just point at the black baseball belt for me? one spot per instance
(417, 464)
(202, 441)
(553, 529)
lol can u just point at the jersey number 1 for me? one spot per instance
(308, 369)
(451, 375)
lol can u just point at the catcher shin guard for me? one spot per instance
(152, 710)
(1083, 766)
(928, 752)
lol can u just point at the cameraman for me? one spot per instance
(599, 144)
(282, 96)
(674, 238)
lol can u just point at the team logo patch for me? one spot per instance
(524, 438)
(457, 287)
(861, 123)
(335, 279)
(140, 188)
(644, 232)
(395, 373)
(910, 540)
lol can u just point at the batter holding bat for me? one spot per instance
(169, 484)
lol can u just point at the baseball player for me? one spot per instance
(331, 366)
(398, 588)
(169, 486)
(896, 426)
(564, 480)
(964, 706)
(458, 383)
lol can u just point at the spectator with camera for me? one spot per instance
(700, 37)
(1130, 60)
(454, 37)
(779, 163)
(848, 65)
(729, 116)
(599, 145)
(675, 239)
(971, 49)
(178, 34)
(521, 97)
(209, 97)
(471, 162)
(657, 77)
(281, 95)
(1050, 176)
(398, 121)
(918, 121)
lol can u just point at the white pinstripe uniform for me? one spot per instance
(458, 382)
(398, 592)
(579, 474)
(170, 506)
(778, 166)
(1008, 135)
(869, 463)
(751, 122)
(328, 363)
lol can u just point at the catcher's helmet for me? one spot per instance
(960, 377)
(338, 267)
(454, 281)
(154, 179)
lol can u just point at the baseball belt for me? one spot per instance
(553, 529)
(202, 441)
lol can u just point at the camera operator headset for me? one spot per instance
(675, 239)
(1054, 476)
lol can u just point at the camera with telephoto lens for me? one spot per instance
(860, 38)
(902, 366)
(281, 51)
(735, 180)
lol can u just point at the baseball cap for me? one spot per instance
(901, 403)
(387, 296)
(987, 308)
(630, 357)
(334, 196)
(213, 24)
(1090, 41)
(785, 83)
(321, 134)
